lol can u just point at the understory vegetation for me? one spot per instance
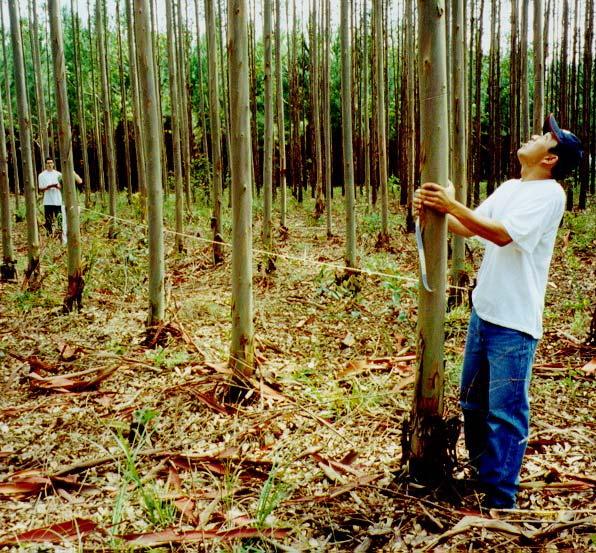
(130, 442)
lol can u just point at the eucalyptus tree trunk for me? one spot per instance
(268, 128)
(295, 101)
(493, 103)
(257, 172)
(281, 129)
(459, 155)
(514, 97)
(346, 133)
(96, 119)
(381, 133)
(123, 113)
(139, 140)
(8, 269)
(327, 113)
(316, 116)
(426, 455)
(365, 110)
(13, 147)
(587, 136)
(563, 95)
(225, 91)
(175, 107)
(182, 107)
(157, 72)
(80, 103)
(201, 90)
(478, 107)
(151, 126)
(410, 115)
(214, 133)
(524, 129)
(74, 291)
(32, 270)
(538, 52)
(38, 76)
(107, 115)
(242, 346)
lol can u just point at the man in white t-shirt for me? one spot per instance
(518, 225)
(50, 183)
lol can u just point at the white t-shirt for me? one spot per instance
(512, 279)
(53, 196)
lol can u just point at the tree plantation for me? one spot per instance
(297, 276)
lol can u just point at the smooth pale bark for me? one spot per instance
(380, 106)
(410, 114)
(365, 102)
(13, 147)
(136, 109)
(8, 269)
(538, 50)
(80, 104)
(524, 126)
(459, 155)
(183, 122)
(316, 116)
(327, 113)
(29, 180)
(74, 291)
(176, 123)
(225, 83)
(281, 129)
(215, 132)
(242, 346)
(434, 142)
(123, 112)
(587, 137)
(200, 82)
(151, 127)
(268, 138)
(96, 119)
(39, 93)
(346, 132)
(107, 115)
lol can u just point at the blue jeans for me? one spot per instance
(494, 399)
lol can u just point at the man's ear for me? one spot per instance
(550, 160)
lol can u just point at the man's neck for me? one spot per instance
(535, 172)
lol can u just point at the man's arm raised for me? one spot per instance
(461, 219)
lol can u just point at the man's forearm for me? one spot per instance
(474, 224)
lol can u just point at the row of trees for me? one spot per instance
(500, 89)
(407, 119)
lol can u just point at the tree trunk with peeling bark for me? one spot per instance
(426, 455)
(460, 154)
(107, 115)
(29, 180)
(281, 129)
(151, 126)
(346, 126)
(74, 292)
(242, 346)
(381, 119)
(214, 133)
(177, 123)
(268, 130)
(8, 269)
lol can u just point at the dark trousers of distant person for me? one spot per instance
(50, 212)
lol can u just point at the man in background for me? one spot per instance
(50, 183)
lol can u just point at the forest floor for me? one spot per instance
(108, 442)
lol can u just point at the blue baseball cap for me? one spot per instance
(568, 149)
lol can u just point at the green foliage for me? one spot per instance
(158, 512)
(272, 494)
